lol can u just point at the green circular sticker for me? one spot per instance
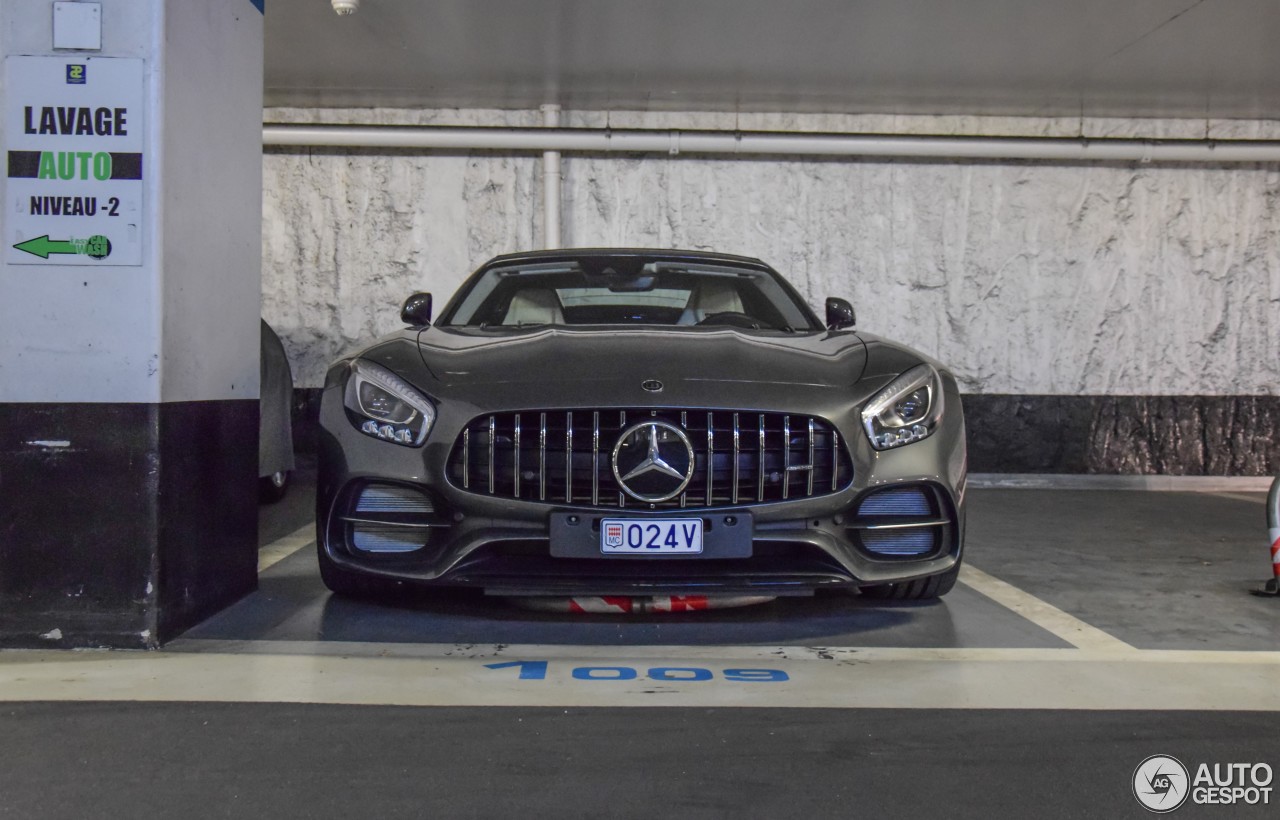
(98, 247)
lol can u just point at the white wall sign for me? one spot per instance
(74, 127)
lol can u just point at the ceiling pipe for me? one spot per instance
(551, 183)
(550, 140)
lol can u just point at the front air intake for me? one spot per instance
(392, 498)
(565, 457)
(902, 523)
(389, 518)
(900, 543)
(387, 538)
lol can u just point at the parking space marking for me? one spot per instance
(754, 653)
(575, 677)
(1256, 498)
(1044, 615)
(282, 548)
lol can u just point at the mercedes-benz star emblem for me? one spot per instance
(653, 461)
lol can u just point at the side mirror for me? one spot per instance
(839, 314)
(417, 310)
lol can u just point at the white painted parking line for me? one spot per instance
(664, 676)
(282, 548)
(847, 654)
(1257, 498)
(1044, 615)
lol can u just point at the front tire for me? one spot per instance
(920, 589)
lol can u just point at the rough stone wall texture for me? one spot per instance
(1026, 278)
(1167, 435)
(348, 236)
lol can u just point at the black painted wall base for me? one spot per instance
(1125, 435)
(122, 525)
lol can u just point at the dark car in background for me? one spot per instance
(639, 422)
(275, 424)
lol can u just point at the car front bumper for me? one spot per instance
(504, 545)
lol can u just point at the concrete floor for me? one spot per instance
(1090, 630)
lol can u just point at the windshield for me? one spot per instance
(628, 291)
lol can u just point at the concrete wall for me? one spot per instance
(1029, 279)
(1026, 277)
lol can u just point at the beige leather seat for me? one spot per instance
(710, 298)
(534, 307)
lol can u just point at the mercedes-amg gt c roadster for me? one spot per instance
(642, 423)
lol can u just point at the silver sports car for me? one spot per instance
(639, 422)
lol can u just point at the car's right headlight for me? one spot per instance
(907, 410)
(384, 406)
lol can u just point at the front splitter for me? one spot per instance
(635, 605)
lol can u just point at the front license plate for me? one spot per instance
(651, 536)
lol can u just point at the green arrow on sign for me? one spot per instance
(42, 246)
(96, 246)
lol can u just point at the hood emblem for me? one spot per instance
(652, 385)
(653, 461)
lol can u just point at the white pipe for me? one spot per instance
(551, 183)
(556, 140)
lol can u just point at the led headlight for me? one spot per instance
(905, 411)
(384, 406)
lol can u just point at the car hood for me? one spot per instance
(463, 357)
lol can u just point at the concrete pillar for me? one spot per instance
(129, 303)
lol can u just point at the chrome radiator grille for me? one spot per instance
(565, 457)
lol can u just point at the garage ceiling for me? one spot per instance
(1183, 58)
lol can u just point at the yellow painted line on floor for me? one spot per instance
(654, 676)
(446, 651)
(282, 548)
(1044, 615)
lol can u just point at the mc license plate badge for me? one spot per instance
(651, 536)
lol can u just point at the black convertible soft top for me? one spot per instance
(601, 256)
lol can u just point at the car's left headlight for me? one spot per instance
(384, 406)
(907, 410)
